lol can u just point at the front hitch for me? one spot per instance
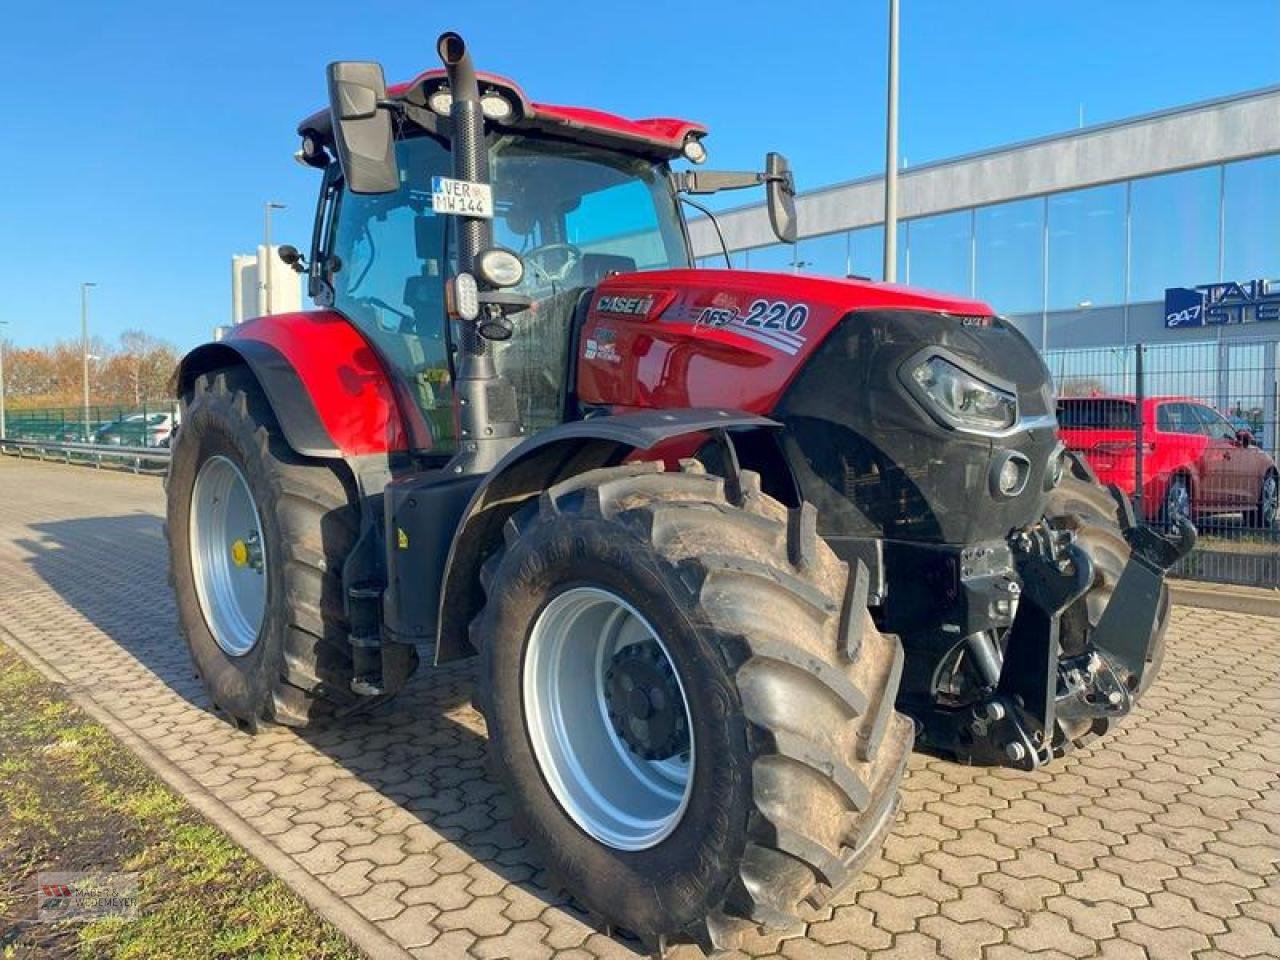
(1037, 688)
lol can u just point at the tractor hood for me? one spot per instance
(741, 335)
(834, 361)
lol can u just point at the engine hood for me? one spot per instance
(729, 338)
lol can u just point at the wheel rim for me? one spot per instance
(1178, 501)
(590, 730)
(228, 560)
(1269, 499)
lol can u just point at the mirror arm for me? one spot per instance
(712, 181)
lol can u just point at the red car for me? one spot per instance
(1194, 462)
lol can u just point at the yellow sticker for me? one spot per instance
(402, 539)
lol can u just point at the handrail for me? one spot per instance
(140, 460)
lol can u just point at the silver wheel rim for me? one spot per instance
(610, 791)
(228, 560)
(1269, 500)
(1179, 501)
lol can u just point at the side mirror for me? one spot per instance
(362, 127)
(289, 254)
(1245, 437)
(781, 190)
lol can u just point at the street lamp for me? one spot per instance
(265, 267)
(3, 323)
(84, 348)
(891, 155)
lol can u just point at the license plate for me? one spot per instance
(461, 198)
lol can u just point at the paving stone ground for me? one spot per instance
(1160, 842)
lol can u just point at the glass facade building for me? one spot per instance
(1074, 253)
(1107, 246)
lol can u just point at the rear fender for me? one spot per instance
(539, 463)
(327, 386)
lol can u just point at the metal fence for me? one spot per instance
(1185, 428)
(143, 425)
(152, 460)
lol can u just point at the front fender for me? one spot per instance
(540, 462)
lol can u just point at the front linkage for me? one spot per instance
(1040, 694)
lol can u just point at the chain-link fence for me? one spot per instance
(144, 425)
(1188, 428)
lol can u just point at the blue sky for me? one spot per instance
(139, 139)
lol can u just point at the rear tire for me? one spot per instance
(297, 667)
(796, 750)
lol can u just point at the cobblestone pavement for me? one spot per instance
(1161, 842)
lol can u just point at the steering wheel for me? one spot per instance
(573, 256)
(406, 319)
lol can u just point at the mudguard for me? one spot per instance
(326, 384)
(536, 464)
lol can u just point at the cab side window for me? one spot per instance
(389, 281)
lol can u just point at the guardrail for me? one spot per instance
(141, 460)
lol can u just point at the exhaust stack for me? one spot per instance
(488, 412)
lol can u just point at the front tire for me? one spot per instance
(786, 779)
(244, 508)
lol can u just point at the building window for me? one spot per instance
(1251, 200)
(826, 256)
(1174, 224)
(1009, 255)
(778, 258)
(866, 252)
(941, 252)
(1086, 265)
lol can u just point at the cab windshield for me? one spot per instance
(574, 213)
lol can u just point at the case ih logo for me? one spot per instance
(1218, 304)
(626, 306)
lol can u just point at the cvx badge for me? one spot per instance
(776, 323)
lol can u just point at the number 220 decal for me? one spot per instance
(777, 323)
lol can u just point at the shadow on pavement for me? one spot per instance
(424, 751)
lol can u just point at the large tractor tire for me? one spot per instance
(257, 536)
(1082, 504)
(688, 702)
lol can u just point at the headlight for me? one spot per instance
(962, 400)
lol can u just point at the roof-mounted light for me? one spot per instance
(441, 101)
(694, 151)
(496, 107)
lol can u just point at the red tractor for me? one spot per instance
(705, 528)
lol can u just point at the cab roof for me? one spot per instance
(660, 138)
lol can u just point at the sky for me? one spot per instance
(139, 140)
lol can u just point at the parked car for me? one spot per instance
(138, 430)
(1194, 461)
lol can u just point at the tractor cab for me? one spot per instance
(571, 196)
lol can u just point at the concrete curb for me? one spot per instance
(362, 933)
(1220, 596)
